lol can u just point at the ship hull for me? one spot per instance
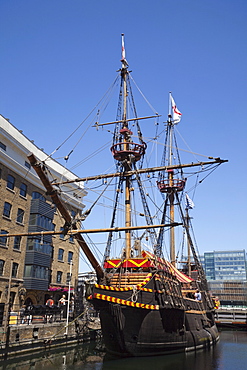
(130, 331)
(153, 312)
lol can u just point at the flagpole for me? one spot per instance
(169, 104)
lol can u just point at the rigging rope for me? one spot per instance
(73, 132)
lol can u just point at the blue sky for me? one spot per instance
(59, 57)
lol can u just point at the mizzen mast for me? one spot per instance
(167, 183)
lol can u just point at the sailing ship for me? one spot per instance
(148, 304)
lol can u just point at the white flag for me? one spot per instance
(189, 202)
(123, 59)
(176, 114)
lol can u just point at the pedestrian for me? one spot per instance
(63, 304)
(198, 296)
(22, 313)
(50, 305)
(28, 313)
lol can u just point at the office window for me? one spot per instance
(23, 190)
(14, 269)
(73, 214)
(2, 146)
(59, 276)
(37, 195)
(10, 182)
(2, 262)
(17, 242)
(60, 254)
(20, 216)
(7, 209)
(3, 239)
(70, 256)
(28, 165)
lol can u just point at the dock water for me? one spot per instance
(27, 338)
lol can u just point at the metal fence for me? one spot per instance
(34, 314)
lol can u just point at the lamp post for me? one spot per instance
(7, 307)
(67, 319)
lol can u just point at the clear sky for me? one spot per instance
(59, 57)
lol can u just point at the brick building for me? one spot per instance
(39, 266)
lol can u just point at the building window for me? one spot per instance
(70, 256)
(28, 165)
(39, 246)
(28, 271)
(2, 146)
(61, 235)
(17, 242)
(37, 195)
(20, 216)
(14, 269)
(3, 239)
(36, 271)
(23, 190)
(7, 209)
(10, 182)
(59, 276)
(1, 267)
(73, 214)
(60, 254)
(40, 220)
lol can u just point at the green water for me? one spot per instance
(229, 354)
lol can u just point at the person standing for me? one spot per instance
(63, 304)
(198, 296)
(49, 306)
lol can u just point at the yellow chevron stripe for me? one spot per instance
(130, 260)
(126, 303)
(137, 264)
(113, 264)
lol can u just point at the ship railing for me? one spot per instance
(167, 185)
(122, 280)
(121, 151)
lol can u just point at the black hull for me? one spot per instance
(129, 331)
(153, 313)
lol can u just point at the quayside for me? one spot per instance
(150, 301)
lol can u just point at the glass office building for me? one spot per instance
(225, 265)
(227, 276)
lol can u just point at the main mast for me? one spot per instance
(126, 136)
(125, 151)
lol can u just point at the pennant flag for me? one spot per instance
(176, 114)
(123, 60)
(189, 202)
